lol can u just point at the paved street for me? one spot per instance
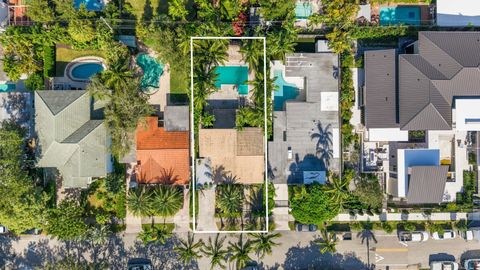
(295, 252)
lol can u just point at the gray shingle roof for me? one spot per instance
(83, 131)
(380, 89)
(446, 67)
(427, 184)
(59, 100)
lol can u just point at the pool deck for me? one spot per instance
(160, 96)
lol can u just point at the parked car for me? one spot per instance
(305, 228)
(472, 264)
(447, 234)
(139, 264)
(416, 236)
(3, 229)
(444, 265)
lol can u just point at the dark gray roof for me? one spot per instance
(380, 89)
(83, 131)
(177, 118)
(56, 101)
(445, 67)
(427, 184)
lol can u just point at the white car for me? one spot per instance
(447, 234)
(416, 236)
(3, 229)
(444, 266)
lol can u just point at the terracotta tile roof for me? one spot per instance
(150, 136)
(163, 157)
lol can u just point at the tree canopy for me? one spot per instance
(312, 205)
(66, 222)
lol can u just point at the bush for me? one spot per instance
(472, 158)
(48, 61)
(409, 226)
(35, 82)
(312, 205)
(387, 227)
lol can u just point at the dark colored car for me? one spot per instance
(305, 228)
(139, 264)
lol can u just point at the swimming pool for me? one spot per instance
(237, 75)
(283, 92)
(7, 87)
(84, 71)
(303, 10)
(400, 15)
(152, 70)
(93, 5)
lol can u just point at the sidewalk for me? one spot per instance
(411, 216)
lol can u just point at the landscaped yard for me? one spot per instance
(65, 55)
(154, 7)
(179, 82)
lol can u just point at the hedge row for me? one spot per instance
(48, 61)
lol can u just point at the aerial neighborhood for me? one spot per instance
(240, 134)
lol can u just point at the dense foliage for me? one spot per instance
(312, 205)
(66, 222)
(22, 203)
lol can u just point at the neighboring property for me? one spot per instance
(163, 148)
(425, 102)
(17, 107)
(458, 13)
(306, 140)
(71, 137)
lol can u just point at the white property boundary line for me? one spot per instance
(192, 135)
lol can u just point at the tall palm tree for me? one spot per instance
(189, 249)
(240, 252)
(252, 53)
(366, 235)
(263, 243)
(117, 75)
(214, 249)
(230, 200)
(327, 242)
(177, 9)
(337, 188)
(167, 201)
(154, 234)
(140, 202)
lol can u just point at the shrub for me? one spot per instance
(409, 226)
(35, 82)
(312, 205)
(387, 227)
(48, 61)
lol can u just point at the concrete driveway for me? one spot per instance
(206, 210)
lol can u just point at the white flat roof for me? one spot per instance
(336, 142)
(329, 101)
(458, 12)
(467, 114)
(387, 134)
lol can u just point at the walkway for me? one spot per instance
(182, 218)
(206, 210)
(410, 217)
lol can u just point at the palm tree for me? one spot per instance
(230, 201)
(188, 249)
(263, 243)
(154, 234)
(327, 243)
(337, 188)
(168, 177)
(252, 52)
(214, 249)
(367, 235)
(117, 75)
(240, 252)
(140, 202)
(324, 142)
(167, 201)
(177, 9)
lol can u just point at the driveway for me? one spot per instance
(206, 210)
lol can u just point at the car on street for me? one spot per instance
(471, 264)
(305, 227)
(415, 236)
(445, 235)
(3, 229)
(139, 264)
(444, 265)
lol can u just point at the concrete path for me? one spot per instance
(182, 218)
(411, 216)
(206, 210)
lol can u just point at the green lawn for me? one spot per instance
(179, 82)
(66, 55)
(155, 7)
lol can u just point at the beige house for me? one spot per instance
(240, 153)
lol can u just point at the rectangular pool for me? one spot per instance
(409, 15)
(303, 9)
(237, 75)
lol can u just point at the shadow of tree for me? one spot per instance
(6, 251)
(308, 163)
(310, 257)
(324, 143)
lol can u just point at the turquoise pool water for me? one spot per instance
(86, 70)
(152, 70)
(93, 5)
(283, 92)
(237, 75)
(7, 87)
(400, 15)
(303, 10)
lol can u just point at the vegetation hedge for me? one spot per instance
(48, 61)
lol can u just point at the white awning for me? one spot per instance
(387, 134)
(458, 12)
(467, 114)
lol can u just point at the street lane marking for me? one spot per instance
(403, 243)
(391, 250)
(378, 258)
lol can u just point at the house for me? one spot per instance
(163, 148)
(239, 154)
(306, 140)
(432, 90)
(71, 137)
(458, 13)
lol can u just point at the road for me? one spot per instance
(296, 251)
